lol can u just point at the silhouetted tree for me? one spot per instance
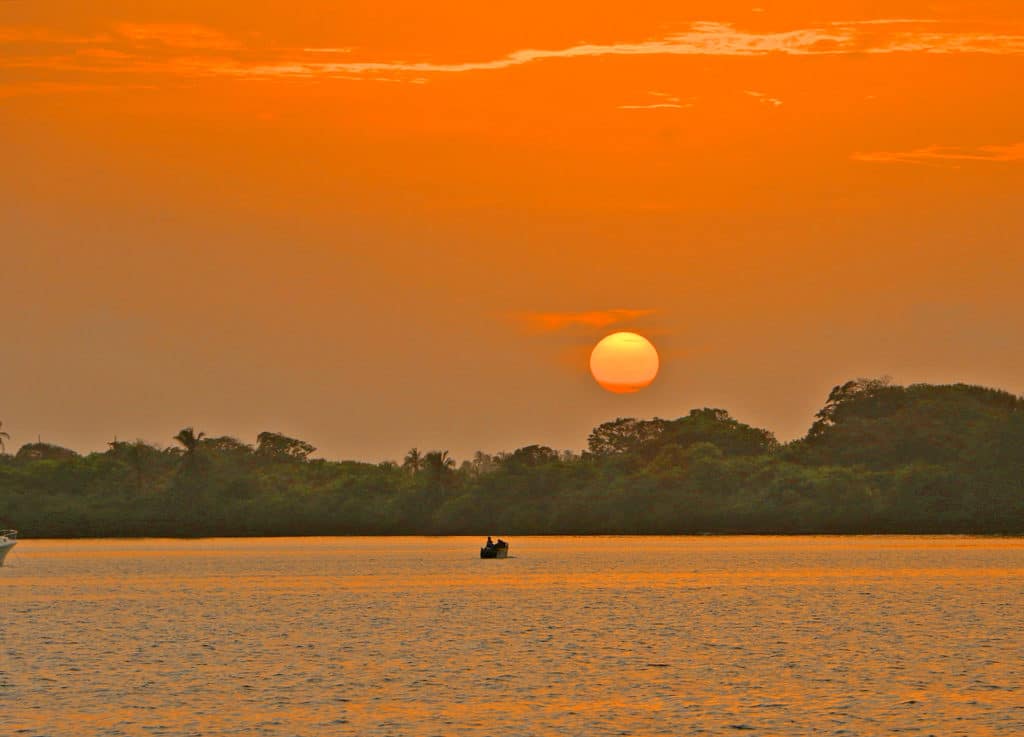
(413, 462)
(134, 455)
(716, 426)
(189, 469)
(225, 444)
(864, 397)
(44, 452)
(189, 440)
(437, 464)
(532, 455)
(278, 447)
(623, 435)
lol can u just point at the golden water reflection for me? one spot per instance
(569, 636)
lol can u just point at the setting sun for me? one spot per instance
(624, 362)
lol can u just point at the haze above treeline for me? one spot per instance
(879, 458)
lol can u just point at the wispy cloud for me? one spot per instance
(190, 50)
(763, 98)
(655, 106)
(329, 50)
(883, 36)
(547, 322)
(178, 36)
(945, 154)
(663, 101)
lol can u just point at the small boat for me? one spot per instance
(498, 550)
(8, 539)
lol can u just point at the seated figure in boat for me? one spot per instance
(494, 549)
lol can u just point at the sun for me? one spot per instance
(624, 362)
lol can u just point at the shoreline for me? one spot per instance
(973, 535)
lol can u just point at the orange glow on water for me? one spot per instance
(301, 635)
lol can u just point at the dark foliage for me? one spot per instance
(878, 458)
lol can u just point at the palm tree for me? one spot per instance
(413, 462)
(189, 440)
(438, 462)
(3, 436)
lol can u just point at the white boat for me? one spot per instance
(8, 539)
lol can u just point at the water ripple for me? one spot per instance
(605, 636)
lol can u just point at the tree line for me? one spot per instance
(879, 458)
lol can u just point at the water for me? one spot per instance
(570, 636)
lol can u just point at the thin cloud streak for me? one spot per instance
(655, 106)
(707, 39)
(549, 322)
(159, 47)
(328, 50)
(942, 154)
(178, 36)
(763, 98)
(666, 101)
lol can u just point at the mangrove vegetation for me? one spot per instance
(879, 458)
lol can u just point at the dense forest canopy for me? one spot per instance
(878, 458)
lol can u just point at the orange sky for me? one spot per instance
(383, 225)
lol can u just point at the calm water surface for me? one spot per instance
(571, 636)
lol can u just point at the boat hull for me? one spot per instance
(5, 548)
(494, 552)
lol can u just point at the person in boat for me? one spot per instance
(501, 543)
(490, 543)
